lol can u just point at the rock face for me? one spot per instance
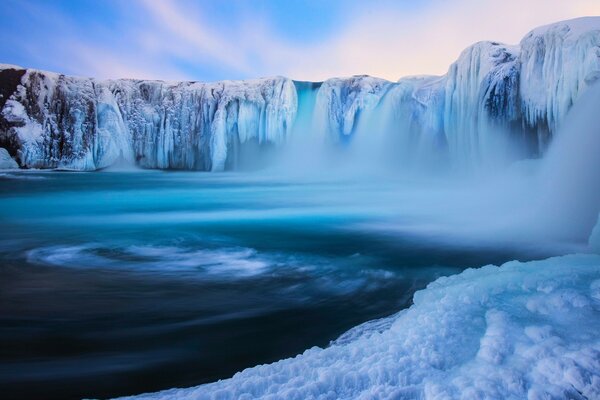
(6, 161)
(494, 98)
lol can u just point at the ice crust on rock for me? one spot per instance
(557, 62)
(493, 90)
(522, 330)
(86, 124)
(469, 116)
(340, 102)
(6, 161)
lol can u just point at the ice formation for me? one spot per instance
(6, 161)
(340, 102)
(469, 116)
(522, 330)
(85, 124)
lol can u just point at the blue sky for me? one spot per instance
(239, 39)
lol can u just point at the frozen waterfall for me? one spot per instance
(497, 103)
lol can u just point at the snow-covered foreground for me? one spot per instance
(522, 330)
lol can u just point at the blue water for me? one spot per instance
(116, 283)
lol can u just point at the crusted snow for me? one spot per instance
(522, 330)
(9, 66)
(573, 27)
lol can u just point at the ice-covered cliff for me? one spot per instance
(340, 102)
(55, 121)
(496, 102)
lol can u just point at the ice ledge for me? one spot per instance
(572, 28)
(10, 66)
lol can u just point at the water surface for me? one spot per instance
(116, 283)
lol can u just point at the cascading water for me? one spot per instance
(570, 188)
(497, 103)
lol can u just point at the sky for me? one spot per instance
(209, 40)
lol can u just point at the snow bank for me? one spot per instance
(522, 330)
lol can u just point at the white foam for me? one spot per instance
(208, 263)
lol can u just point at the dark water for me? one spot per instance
(122, 283)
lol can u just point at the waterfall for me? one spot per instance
(570, 188)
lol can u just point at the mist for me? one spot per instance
(494, 196)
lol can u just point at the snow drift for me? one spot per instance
(496, 102)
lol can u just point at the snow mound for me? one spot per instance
(522, 330)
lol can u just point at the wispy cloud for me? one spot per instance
(177, 39)
(390, 43)
(188, 34)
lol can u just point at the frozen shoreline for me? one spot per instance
(492, 332)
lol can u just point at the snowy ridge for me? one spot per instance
(469, 116)
(493, 332)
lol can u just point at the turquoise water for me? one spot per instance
(116, 283)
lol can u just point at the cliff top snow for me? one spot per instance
(571, 28)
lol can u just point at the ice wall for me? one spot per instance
(342, 101)
(557, 63)
(85, 124)
(497, 103)
(500, 102)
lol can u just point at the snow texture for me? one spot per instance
(470, 114)
(522, 330)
